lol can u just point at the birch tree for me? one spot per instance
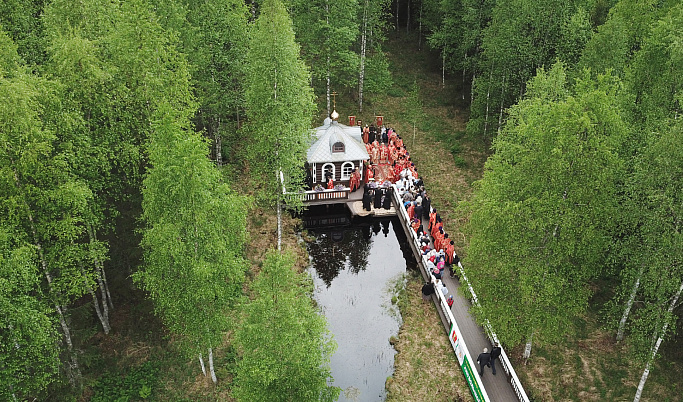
(653, 277)
(28, 334)
(41, 196)
(279, 105)
(542, 215)
(215, 44)
(194, 237)
(327, 31)
(521, 37)
(373, 76)
(284, 345)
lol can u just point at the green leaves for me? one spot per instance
(194, 237)
(279, 104)
(543, 212)
(28, 338)
(283, 342)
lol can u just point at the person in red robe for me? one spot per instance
(432, 219)
(375, 153)
(366, 134)
(411, 211)
(369, 173)
(393, 154)
(415, 224)
(330, 184)
(354, 183)
(450, 252)
(383, 153)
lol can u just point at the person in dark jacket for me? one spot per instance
(419, 211)
(495, 354)
(367, 198)
(378, 197)
(386, 204)
(427, 291)
(484, 359)
(426, 205)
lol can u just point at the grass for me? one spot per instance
(425, 367)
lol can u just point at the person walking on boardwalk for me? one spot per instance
(484, 359)
(495, 354)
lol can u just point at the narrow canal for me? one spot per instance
(356, 268)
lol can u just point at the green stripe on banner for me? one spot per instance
(471, 380)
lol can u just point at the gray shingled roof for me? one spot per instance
(333, 131)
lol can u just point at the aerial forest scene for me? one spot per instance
(170, 232)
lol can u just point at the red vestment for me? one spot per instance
(450, 250)
(330, 184)
(375, 155)
(383, 153)
(354, 183)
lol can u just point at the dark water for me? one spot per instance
(356, 268)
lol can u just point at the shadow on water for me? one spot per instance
(356, 265)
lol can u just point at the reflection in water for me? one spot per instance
(355, 270)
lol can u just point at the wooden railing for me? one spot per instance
(325, 195)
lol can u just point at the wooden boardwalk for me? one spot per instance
(497, 387)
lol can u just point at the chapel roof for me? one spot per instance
(333, 132)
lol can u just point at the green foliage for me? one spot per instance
(194, 237)
(655, 75)
(326, 31)
(279, 104)
(655, 207)
(522, 36)
(135, 385)
(216, 44)
(28, 337)
(283, 342)
(20, 19)
(544, 211)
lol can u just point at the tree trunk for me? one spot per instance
(464, 66)
(213, 372)
(219, 145)
(655, 348)
(101, 277)
(363, 49)
(397, 4)
(279, 225)
(527, 348)
(103, 316)
(502, 98)
(474, 77)
(443, 69)
(488, 96)
(419, 36)
(408, 18)
(74, 372)
(629, 304)
(201, 363)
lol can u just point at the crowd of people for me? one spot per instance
(385, 148)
